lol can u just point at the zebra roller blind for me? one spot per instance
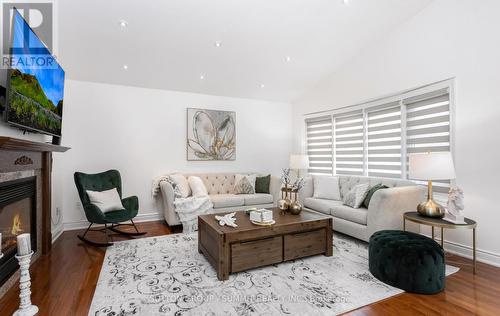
(428, 127)
(376, 139)
(384, 142)
(319, 145)
(348, 145)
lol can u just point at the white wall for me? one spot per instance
(142, 133)
(449, 38)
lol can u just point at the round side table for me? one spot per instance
(441, 223)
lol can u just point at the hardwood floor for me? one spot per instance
(63, 283)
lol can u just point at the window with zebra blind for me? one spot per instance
(348, 145)
(376, 138)
(428, 127)
(319, 144)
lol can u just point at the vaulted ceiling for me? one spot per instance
(263, 49)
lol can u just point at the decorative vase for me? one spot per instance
(295, 207)
(284, 203)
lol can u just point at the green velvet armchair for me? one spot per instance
(101, 182)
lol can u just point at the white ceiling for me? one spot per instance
(169, 44)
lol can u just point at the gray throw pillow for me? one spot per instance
(355, 197)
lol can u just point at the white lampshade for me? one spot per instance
(432, 166)
(299, 161)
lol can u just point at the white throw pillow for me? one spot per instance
(326, 187)
(197, 186)
(106, 201)
(182, 184)
(244, 184)
(356, 195)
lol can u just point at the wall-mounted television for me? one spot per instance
(34, 89)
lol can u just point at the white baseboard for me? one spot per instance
(465, 251)
(150, 217)
(57, 234)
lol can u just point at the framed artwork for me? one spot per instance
(211, 134)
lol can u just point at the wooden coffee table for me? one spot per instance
(234, 249)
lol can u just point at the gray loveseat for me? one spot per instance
(385, 210)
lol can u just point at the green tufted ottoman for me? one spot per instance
(408, 261)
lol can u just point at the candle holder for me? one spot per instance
(25, 306)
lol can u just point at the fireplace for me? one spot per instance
(17, 216)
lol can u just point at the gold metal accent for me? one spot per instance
(430, 208)
(295, 207)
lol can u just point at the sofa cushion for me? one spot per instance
(348, 183)
(182, 183)
(218, 183)
(258, 198)
(326, 187)
(226, 200)
(321, 205)
(356, 215)
(262, 184)
(197, 186)
(356, 196)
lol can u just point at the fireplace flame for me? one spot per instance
(16, 225)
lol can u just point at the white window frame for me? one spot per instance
(448, 84)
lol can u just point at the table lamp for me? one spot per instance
(431, 166)
(298, 162)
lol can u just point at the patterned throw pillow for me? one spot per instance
(244, 184)
(355, 197)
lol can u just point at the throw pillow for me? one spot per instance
(370, 193)
(182, 184)
(106, 201)
(197, 186)
(326, 187)
(262, 184)
(356, 195)
(244, 184)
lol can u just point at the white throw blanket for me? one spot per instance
(188, 210)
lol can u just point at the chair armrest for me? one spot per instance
(387, 207)
(94, 214)
(131, 204)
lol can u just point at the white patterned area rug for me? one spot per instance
(167, 276)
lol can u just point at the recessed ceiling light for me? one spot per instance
(123, 23)
(202, 77)
(217, 44)
(288, 59)
(345, 2)
(125, 67)
(262, 85)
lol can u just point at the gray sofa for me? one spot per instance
(385, 210)
(221, 193)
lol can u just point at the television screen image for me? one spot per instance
(35, 93)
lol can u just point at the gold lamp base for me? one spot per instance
(430, 208)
